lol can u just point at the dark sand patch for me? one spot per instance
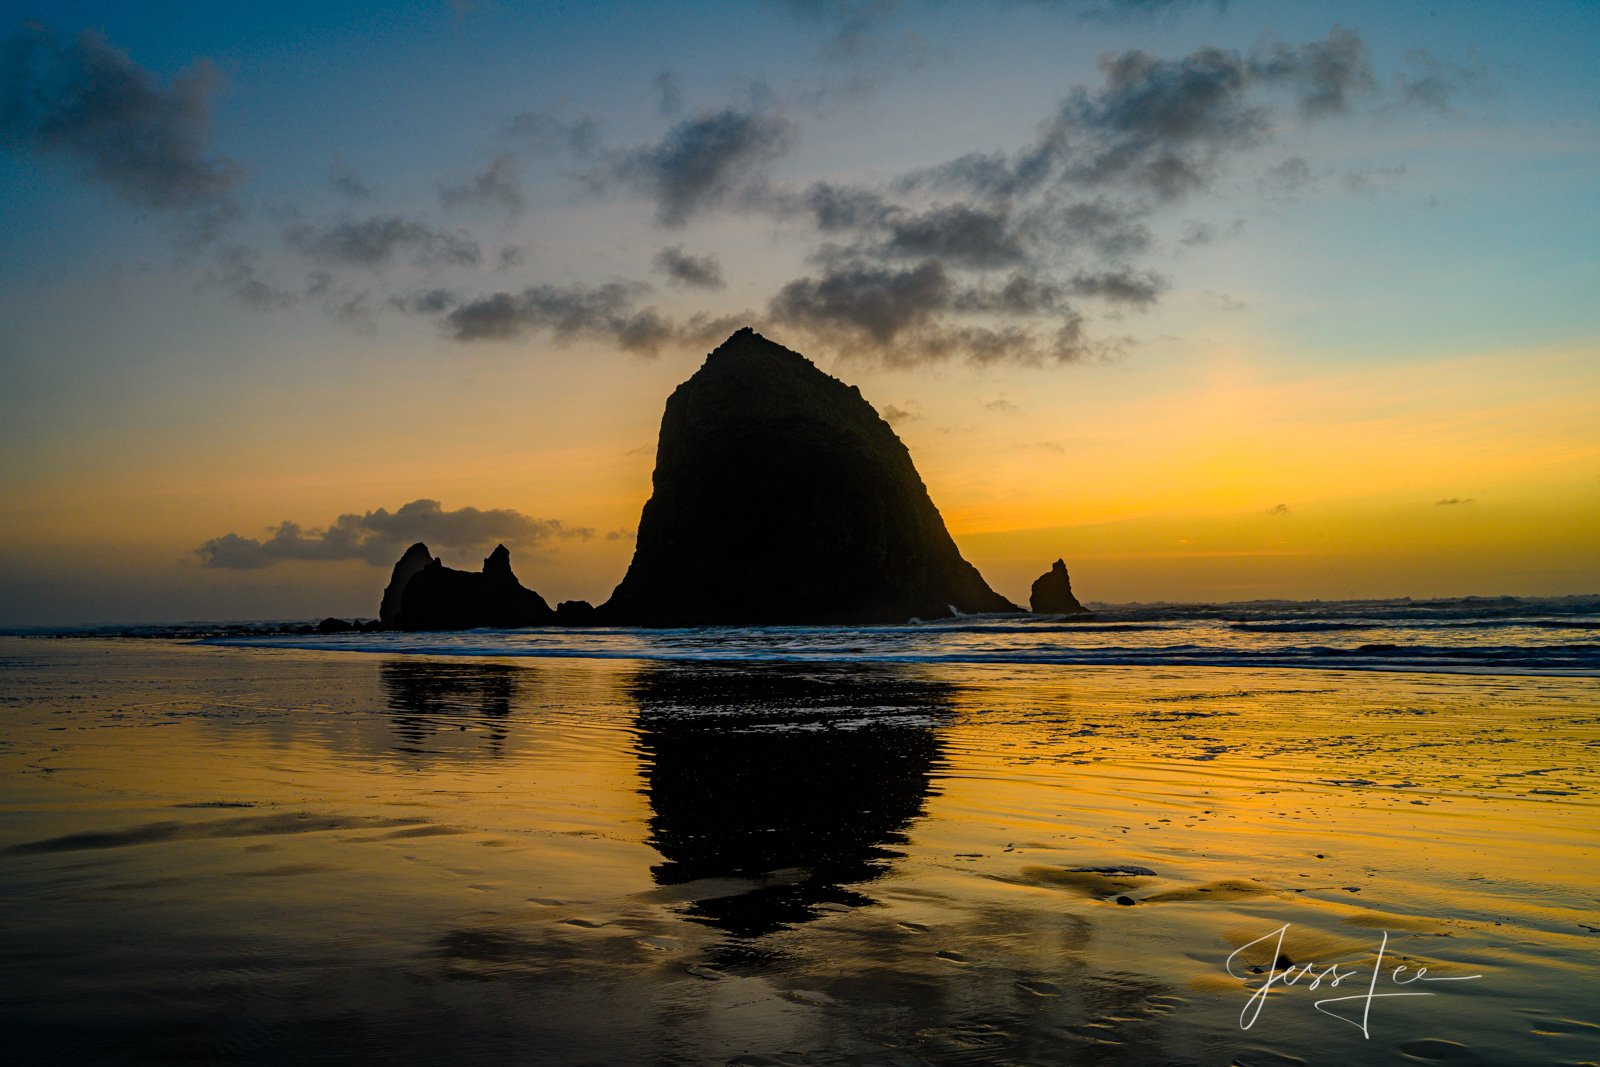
(245, 826)
(1226, 889)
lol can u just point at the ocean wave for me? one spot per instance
(775, 646)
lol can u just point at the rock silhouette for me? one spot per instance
(781, 497)
(415, 558)
(424, 594)
(1052, 593)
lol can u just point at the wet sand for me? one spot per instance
(227, 855)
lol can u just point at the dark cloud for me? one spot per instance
(546, 133)
(1166, 126)
(669, 93)
(1277, 509)
(496, 187)
(87, 102)
(681, 268)
(712, 159)
(958, 233)
(901, 317)
(1002, 405)
(345, 182)
(609, 313)
(376, 241)
(1452, 500)
(605, 312)
(379, 537)
(866, 300)
(838, 208)
(1138, 289)
(1324, 75)
(565, 311)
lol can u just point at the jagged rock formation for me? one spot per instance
(1052, 593)
(424, 594)
(780, 496)
(415, 558)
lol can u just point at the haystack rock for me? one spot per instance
(1052, 593)
(424, 594)
(781, 497)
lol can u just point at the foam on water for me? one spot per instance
(1506, 635)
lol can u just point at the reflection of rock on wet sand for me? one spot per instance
(785, 785)
(429, 698)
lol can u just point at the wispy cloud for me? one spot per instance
(379, 240)
(497, 186)
(696, 272)
(88, 103)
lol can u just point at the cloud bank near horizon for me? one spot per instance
(379, 537)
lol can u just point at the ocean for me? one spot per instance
(1498, 635)
(1242, 834)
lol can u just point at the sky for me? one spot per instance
(1214, 301)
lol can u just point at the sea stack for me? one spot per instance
(1052, 593)
(424, 594)
(781, 497)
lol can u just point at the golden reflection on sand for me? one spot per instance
(632, 861)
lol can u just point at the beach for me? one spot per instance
(262, 854)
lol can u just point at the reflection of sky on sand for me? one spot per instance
(241, 856)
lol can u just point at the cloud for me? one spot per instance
(1196, 233)
(544, 133)
(87, 102)
(1435, 83)
(900, 317)
(703, 162)
(894, 416)
(1383, 179)
(376, 241)
(872, 302)
(1002, 405)
(497, 186)
(379, 537)
(696, 272)
(1166, 126)
(1277, 509)
(622, 534)
(1286, 180)
(669, 93)
(605, 312)
(1137, 289)
(1452, 500)
(1325, 75)
(1221, 301)
(345, 182)
(237, 272)
(957, 233)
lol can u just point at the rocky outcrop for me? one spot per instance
(575, 613)
(416, 557)
(1052, 593)
(432, 596)
(780, 496)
